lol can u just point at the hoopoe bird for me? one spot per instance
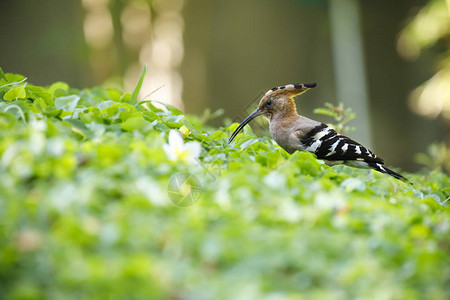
(293, 132)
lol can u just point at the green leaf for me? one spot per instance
(36, 92)
(2, 75)
(58, 85)
(191, 127)
(170, 108)
(78, 127)
(248, 143)
(105, 104)
(18, 109)
(67, 103)
(150, 116)
(132, 124)
(351, 184)
(14, 79)
(149, 106)
(324, 111)
(14, 93)
(134, 96)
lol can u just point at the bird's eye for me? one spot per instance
(269, 102)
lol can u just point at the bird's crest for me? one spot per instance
(290, 90)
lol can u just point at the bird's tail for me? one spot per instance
(380, 168)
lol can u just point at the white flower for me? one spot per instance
(178, 150)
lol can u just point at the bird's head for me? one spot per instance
(276, 102)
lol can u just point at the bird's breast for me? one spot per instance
(283, 136)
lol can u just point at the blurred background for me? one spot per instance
(387, 60)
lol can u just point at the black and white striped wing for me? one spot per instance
(327, 144)
(331, 146)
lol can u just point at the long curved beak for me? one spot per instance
(247, 120)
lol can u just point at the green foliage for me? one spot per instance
(2, 75)
(85, 213)
(134, 96)
(340, 115)
(437, 157)
(430, 27)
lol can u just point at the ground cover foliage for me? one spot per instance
(86, 213)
